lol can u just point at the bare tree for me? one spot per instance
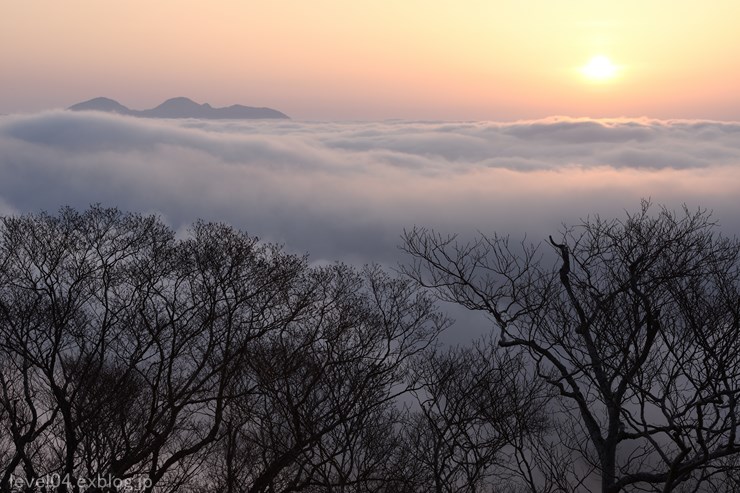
(319, 410)
(635, 322)
(474, 404)
(129, 354)
(124, 343)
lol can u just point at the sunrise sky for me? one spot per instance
(364, 60)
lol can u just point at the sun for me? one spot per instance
(599, 68)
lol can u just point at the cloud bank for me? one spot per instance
(346, 191)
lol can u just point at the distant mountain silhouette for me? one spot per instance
(101, 104)
(180, 108)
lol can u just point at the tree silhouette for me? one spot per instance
(474, 403)
(322, 388)
(214, 362)
(636, 324)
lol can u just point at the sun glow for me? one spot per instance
(599, 68)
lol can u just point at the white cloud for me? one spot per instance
(346, 191)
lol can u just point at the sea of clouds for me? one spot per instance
(346, 191)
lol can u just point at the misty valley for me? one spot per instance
(140, 358)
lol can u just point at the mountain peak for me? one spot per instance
(178, 102)
(180, 107)
(101, 104)
(181, 99)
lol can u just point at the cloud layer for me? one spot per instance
(346, 191)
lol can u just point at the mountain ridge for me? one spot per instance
(181, 107)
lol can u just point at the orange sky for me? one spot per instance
(339, 59)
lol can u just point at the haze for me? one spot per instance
(363, 60)
(240, 370)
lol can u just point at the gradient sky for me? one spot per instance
(339, 59)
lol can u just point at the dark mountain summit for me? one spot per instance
(101, 104)
(180, 108)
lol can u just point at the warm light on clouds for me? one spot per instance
(346, 191)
